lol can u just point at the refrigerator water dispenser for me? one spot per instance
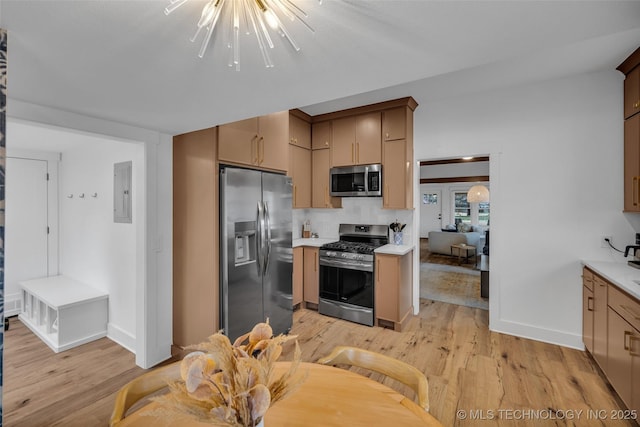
(245, 243)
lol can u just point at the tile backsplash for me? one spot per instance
(355, 210)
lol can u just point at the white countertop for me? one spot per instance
(394, 249)
(619, 274)
(313, 241)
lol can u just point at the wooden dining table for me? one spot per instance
(328, 397)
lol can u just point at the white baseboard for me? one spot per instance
(121, 337)
(550, 336)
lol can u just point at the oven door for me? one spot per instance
(347, 281)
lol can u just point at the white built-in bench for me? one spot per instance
(63, 312)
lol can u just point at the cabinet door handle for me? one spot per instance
(254, 142)
(326, 196)
(386, 135)
(357, 152)
(631, 351)
(627, 334)
(630, 311)
(295, 195)
(590, 303)
(261, 149)
(315, 265)
(326, 143)
(353, 152)
(634, 191)
(378, 271)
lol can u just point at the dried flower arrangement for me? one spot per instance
(231, 385)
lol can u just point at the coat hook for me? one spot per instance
(70, 196)
(94, 195)
(81, 195)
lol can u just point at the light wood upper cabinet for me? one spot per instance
(321, 163)
(394, 124)
(632, 164)
(260, 142)
(273, 147)
(321, 135)
(393, 289)
(356, 140)
(239, 142)
(631, 69)
(397, 174)
(300, 172)
(632, 93)
(299, 132)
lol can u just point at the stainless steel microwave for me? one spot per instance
(356, 181)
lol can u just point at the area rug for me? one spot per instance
(451, 284)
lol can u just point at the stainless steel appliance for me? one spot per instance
(347, 273)
(356, 181)
(256, 258)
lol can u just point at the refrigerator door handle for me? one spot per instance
(260, 239)
(267, 223)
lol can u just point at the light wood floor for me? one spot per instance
(468, 367)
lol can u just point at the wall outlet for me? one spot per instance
(603, 242)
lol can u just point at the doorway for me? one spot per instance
(449, 273)
(27, 226)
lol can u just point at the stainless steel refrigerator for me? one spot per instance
(255, 248)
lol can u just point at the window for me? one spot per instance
(469, 213)
(430, 199)
(483, 213)
(461, 208)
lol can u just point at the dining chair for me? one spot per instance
(394, 368)
(141, 387)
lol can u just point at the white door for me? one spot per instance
(25, 222)
(430, 211)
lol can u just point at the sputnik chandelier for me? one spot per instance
(245, 16)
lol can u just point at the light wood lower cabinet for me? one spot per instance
(600, 321)
(393, 290)
(298, 275)
(311, 288)
(620, 357)
(623, 368)
(587, 309)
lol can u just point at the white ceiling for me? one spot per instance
(128, 62)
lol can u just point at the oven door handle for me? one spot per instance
(348, 264)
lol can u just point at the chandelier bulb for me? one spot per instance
(271, 19)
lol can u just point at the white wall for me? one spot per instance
(94, 249)
(556, 153)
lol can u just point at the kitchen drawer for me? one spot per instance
(625, 306)
(587, 278)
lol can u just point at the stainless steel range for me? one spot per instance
(347, 272)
